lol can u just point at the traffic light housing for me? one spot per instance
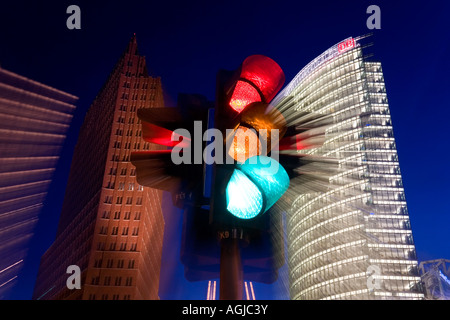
(245, 186)
(250, 131)
(251, 180)
(156, 168)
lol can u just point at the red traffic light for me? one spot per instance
(260, 80)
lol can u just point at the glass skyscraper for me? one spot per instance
(349, 233)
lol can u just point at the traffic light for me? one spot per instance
(250, 181)
(199, 250)
(239, 190)
(155, 168)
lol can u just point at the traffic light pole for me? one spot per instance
(231, 274)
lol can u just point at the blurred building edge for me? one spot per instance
(34, 119)
(435, 276)
(110, 226)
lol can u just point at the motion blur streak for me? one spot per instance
(34, 119)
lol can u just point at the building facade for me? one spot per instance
(34, 119)
(435, 276)
(110, 226)
(349, 234)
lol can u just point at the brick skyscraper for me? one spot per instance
(110, 226)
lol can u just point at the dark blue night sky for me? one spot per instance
(185, 43)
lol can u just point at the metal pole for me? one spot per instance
(231, 275)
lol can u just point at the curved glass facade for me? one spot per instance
(349, 235)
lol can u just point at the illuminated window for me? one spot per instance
(128, 281)
(106, 214)
(98, 263)
(110, 185)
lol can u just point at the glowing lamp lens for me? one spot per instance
(255, 187)
(265, 73)
(244, 200)
(269, 175)
(245, 144)
(243, 94)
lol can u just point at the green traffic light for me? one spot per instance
(255, 186)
